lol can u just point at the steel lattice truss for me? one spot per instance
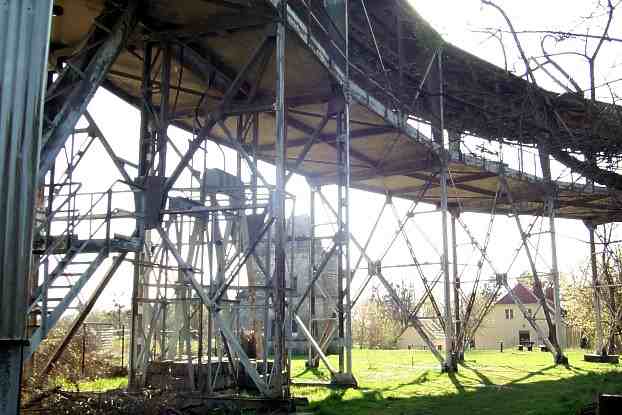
(313, 90)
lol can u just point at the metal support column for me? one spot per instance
(348, 99)
(165, 81)
(449, 329)
(340, 240)
(145, 164)
(311, 361)
(279, 387)
(459, 347)
(555, 273)
(25, 27)
(599, 349)
(550, 202)
(438, 129)
(134, 322)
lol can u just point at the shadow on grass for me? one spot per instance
(419, 380)
(454, 379)
(483, 378)
(316, 372)
(534, 373)
(551, 397)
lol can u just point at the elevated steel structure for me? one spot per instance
(330, 90)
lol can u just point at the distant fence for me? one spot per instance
(573, 337)
(110, 339)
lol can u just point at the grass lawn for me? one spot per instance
(95, 385)
(400, 382)
(103, 384)
(405, 382)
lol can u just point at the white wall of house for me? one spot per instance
(505, 322)
(411, 339)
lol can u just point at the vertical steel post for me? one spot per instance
(25, 27)
(459, 348)
(134, 322)
(145, 150)
(555, 272)
(165, 82)
(278, 385)
(255, 144)
(597, 307)
(83, 351)
(341, 239)
(311, 362)
(210, 310)
(46, 264)
(348, 299)
(439, 136)
(144, 167)
(267, 325)
(551, 197)
(122, 344)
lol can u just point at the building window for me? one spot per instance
(509, 314)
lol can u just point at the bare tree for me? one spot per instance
(380, 321)
(597, 165)
(546, 63)
(401, 314)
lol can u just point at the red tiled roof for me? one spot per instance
(524, 294)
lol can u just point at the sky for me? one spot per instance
(459, 22)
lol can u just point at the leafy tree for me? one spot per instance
(379, 321)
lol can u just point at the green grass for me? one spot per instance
(395, 382)
(398, 382)
(96, 385)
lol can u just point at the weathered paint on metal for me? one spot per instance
(24, 34)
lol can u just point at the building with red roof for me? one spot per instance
(506, 323)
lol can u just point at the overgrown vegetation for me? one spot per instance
(84, 365)
(578, 294)
(373, 323)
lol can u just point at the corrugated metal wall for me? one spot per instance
(24, 34)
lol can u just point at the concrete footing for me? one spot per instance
(599, 358)
(344, 380)
(172, 375)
